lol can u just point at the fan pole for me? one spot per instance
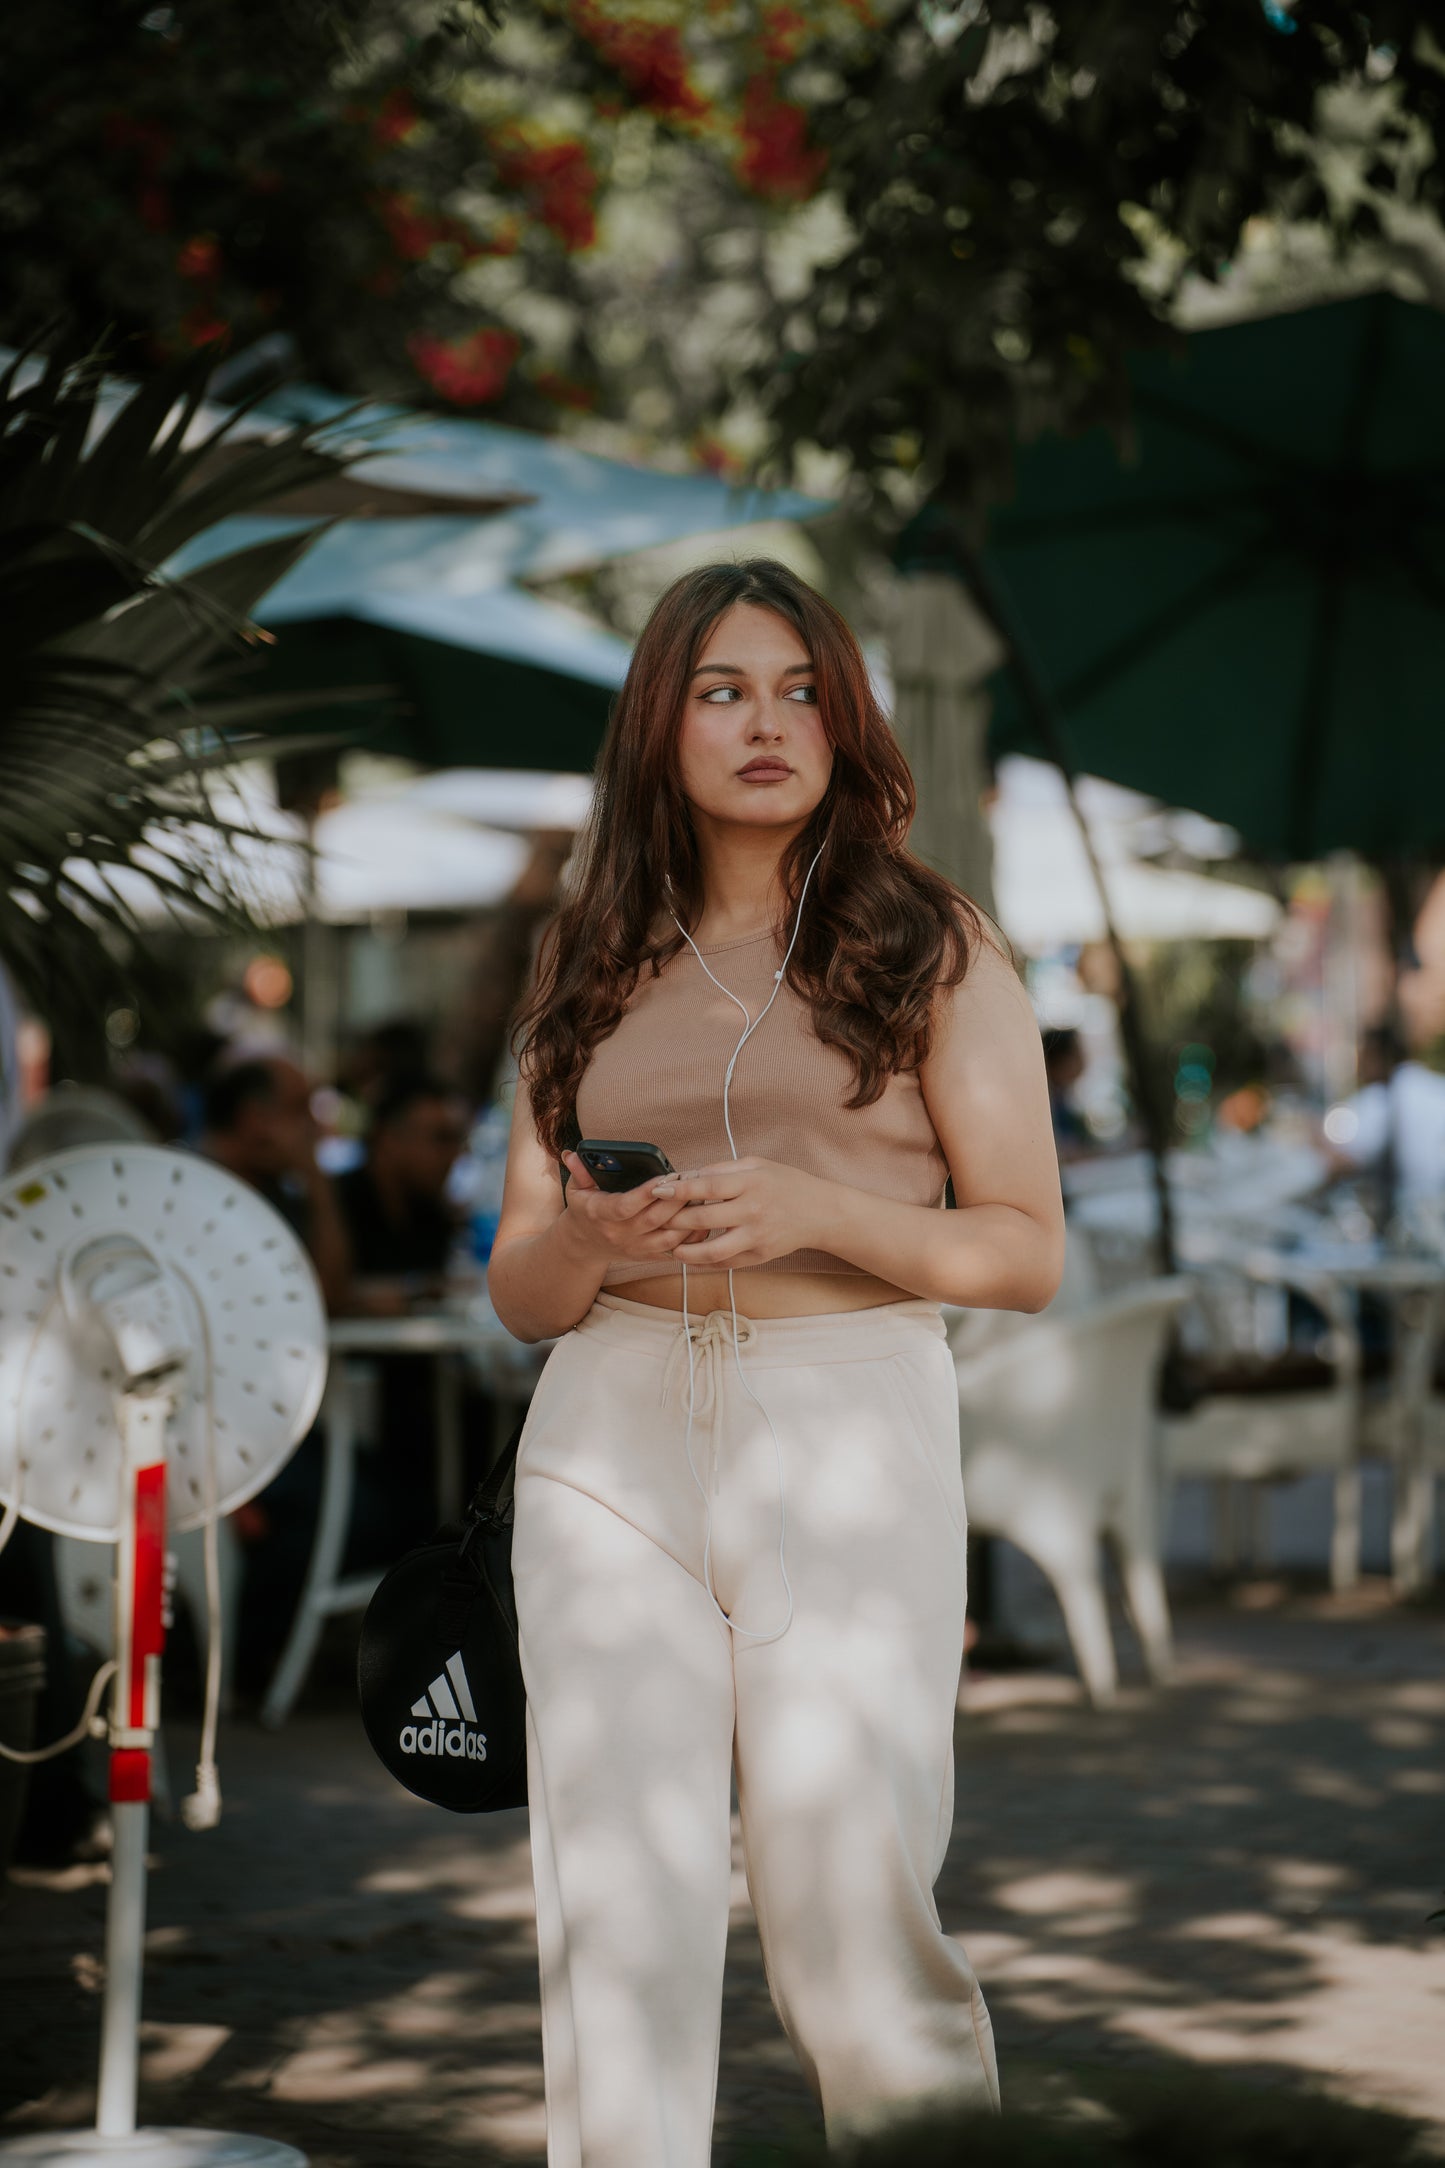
(131, 1334)
(135, 1714)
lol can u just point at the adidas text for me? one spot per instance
(446, 1718)
(459, 1741)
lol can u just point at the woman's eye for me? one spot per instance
(805, 692)
(719, 696)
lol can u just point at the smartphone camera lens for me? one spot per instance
(608, 1162)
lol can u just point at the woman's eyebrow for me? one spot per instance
(737, 669)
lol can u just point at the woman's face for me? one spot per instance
(752, 750)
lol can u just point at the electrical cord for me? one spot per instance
(90, 1725)
(201, 1809)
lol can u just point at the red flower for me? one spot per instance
(782, 35)
(469, 372)
(710, 452)
(415, 232)
(201, 328)
(199, 258)
(775, 160)
(395, 120)
(558, 181)
(564, 391)
(649, 57)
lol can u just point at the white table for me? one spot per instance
(1414, 1288)
(469, 1335)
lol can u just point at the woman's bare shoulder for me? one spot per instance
(993, 983)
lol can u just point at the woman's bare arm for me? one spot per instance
(987, 1094)
(550, 1256)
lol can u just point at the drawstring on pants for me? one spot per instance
(717, 1329)
(708, 1339)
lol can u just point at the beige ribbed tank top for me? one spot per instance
(658, 1078)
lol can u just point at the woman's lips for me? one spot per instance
(773, 771)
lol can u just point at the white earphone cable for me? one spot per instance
(751, 1026)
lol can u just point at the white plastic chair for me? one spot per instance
(1058, 1423)
(1262, 1436)
(1406, 1427)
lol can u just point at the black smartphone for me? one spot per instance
(624, 1165)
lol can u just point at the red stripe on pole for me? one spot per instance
(147, 1628)
(130, 1776)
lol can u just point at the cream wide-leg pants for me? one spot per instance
(641, 1698)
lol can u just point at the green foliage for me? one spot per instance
(172, 173)
(1027, 190)
(903, 231)
(119, 696)
(519, 214)
(1203, 1040)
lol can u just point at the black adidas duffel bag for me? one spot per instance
(438, 1671)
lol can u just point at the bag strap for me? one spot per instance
(467, 1569)
(487, 1500)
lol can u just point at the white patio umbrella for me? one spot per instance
(374, 855)
(527, 798)
(1046, 893)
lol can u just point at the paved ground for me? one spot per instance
(1235, 1872)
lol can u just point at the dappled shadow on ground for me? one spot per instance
(1236, 1871)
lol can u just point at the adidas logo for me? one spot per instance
(446, 1718)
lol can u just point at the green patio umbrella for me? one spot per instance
(513, 683)
(1245, 614)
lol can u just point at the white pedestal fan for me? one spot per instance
(162, 1351)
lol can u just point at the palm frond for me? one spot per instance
(120, 698)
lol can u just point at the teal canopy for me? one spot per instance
(1246, 614)
(483, 672)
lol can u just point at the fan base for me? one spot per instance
(151, 2149)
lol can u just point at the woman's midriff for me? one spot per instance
(766, 1294)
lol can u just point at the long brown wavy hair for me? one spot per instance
(882, 932)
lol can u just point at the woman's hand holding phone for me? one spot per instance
(745, 1212)
(617, 1224)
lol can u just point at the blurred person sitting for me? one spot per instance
(399, 1222)
(394, 1233)
(1392, 1129)
(259, 1125)
(368, 1070)
(402, 1229)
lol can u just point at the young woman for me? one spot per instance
(740, 1523)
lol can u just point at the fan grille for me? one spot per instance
(257, 1323)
